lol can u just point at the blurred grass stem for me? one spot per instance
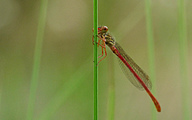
(183, 60)
(37, 58)
(150, 41)
(111, 89)
(67, 89)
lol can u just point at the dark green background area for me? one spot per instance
(65, 82)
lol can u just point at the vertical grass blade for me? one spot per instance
(37, 56)
(183, 60)
(150, 49)
(111, 93)
(95, 24)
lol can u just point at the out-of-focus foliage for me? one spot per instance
(65, 85)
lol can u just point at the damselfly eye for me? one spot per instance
(105, 28)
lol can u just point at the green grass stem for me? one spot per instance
(150, 50)
(183, 60)
(37, 58)
(95, 24)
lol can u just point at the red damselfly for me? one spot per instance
(133, 72)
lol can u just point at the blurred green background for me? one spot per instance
(65, 82)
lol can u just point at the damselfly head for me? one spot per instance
(102, 29)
